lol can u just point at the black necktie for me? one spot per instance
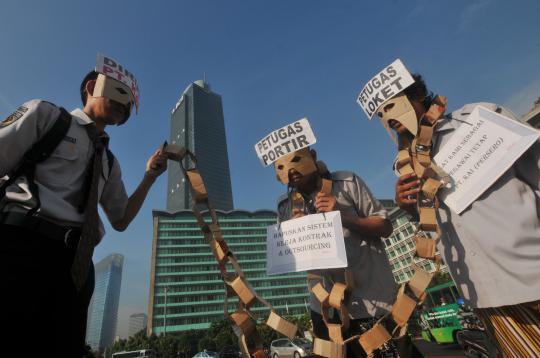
(90, 229)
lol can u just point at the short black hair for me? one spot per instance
(92, 75)
(418, 90)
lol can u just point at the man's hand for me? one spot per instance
(407, 188)
(156, 165)
(325, 202)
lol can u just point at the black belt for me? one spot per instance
(69, 234)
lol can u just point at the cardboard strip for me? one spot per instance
(245, 294)
(320, 293)
(349, 279)
(220, 250)
(337, 295)
(326, 186)
(419, 282)
(374, 338)
(328, 349)
(406, 169)
(425, 247)
(174, 152)
(430, 188)
(197, 185)
(402, 308)
(428, 219)
(284, 327)
(243, 321)
(419, 169)
(334, 331)
(216, 232)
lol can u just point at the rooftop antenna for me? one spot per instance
(204, 77)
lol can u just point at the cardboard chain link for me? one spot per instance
(236, 285)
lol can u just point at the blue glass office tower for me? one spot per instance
(197, 123)
(103, 310)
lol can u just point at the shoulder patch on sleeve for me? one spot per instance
(14, 117)
(343, 175)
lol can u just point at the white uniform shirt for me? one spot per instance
(374, 286)
(60, 177)
(493, 247)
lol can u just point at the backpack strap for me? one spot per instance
(40, 151)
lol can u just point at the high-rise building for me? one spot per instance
(197, 124)
(400, 246)
(137, 322)
(103, 310)
(186, 290)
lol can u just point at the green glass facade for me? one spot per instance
(186, 290)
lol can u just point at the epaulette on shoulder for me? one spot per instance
(343, 175)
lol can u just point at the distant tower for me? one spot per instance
(103, 310)
(197, 123)
(137, 322)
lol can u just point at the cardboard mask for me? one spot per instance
(112, 69)
(302, 161)
(114, 90)
(401, 110)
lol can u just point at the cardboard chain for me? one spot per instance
(236, 285)
(414, 159)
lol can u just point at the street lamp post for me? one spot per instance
(165, 313)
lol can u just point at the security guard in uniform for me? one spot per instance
(42, 217)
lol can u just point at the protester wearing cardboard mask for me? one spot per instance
(489, 246)
(56, 168)
(364, 223)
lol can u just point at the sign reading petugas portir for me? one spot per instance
(284, 141)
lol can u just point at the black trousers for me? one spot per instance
(43, 313)
(402, 347)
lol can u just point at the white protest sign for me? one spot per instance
(285, 140)
(309, 242)
(479, 152)
(111, 68)
(385, 85)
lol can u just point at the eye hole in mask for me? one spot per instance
(386, 108)
(121, 90)
(296, 159)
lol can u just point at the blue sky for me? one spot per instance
(273, 62)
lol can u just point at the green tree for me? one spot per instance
(188, 343)
(207, 343)
(439, 278)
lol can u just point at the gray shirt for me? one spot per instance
(374, 287)
(61, 176)
(493, 248)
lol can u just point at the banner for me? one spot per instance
(115, 70)
(284, 141)
(385, 85)
(309, 242)
(479, 152)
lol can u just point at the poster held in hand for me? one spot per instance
(479, 152)
(306, 243)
